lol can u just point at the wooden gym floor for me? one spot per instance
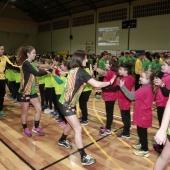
(18, 152)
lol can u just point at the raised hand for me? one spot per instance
(95, 67)
(121, 83)
(157, 81)
(113, 79)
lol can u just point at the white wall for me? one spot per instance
(15, 33)
(61, 39)
(151, 33)
(44, 42)
(81, 35)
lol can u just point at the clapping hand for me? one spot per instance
(121, 83)
(95, 67)
(113, 79)
(157, 81)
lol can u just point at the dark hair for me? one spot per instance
(114, 65)
(42, 60)
(77, 59)
(122, 53)
(156, 55)
(148, 55)
(58, 59)
(66, 63)
(22, 53)
(104, 53)
(127, 67)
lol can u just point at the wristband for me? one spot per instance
(163, 85)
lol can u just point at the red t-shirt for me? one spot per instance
(161, 100)
(124, 102)
(144, 98)
(110, 96)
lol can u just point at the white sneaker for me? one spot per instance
(47, 111)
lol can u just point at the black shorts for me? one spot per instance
(26, 98)
(67, 111)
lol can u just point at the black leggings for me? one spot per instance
(160, 112)
(143, 138)
(2, 93)
(15, 92)
(42, 94)
(109, 105)
(59, 106)
(83, 104)
(137, 85)
(126, 121)
(48, 92)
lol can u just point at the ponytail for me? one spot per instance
(22, 54)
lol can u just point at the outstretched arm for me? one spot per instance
(29, 68)
(100, 84)
(128, 94)
(12, 66)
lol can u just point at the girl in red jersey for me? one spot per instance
(142, 116)
(109, 97)
(161, 100)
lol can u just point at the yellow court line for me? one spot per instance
(125, 143)
(98, 146)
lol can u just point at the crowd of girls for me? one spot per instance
(63, 83)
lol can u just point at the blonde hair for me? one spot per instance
(149, 75)
(22, 53)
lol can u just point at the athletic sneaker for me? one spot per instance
(55, 113)
(105, 132)
(84, 122)
(38, 131)
(59, 120)
(88, 160)
(103, 127)
(137, 146)
(141, 153)
(65, 143)
(47, 111)
(123, 136)
(62, 124)
(80, 118)
(16, 101)
(2, 114)
(97, 96)
(27, 132)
